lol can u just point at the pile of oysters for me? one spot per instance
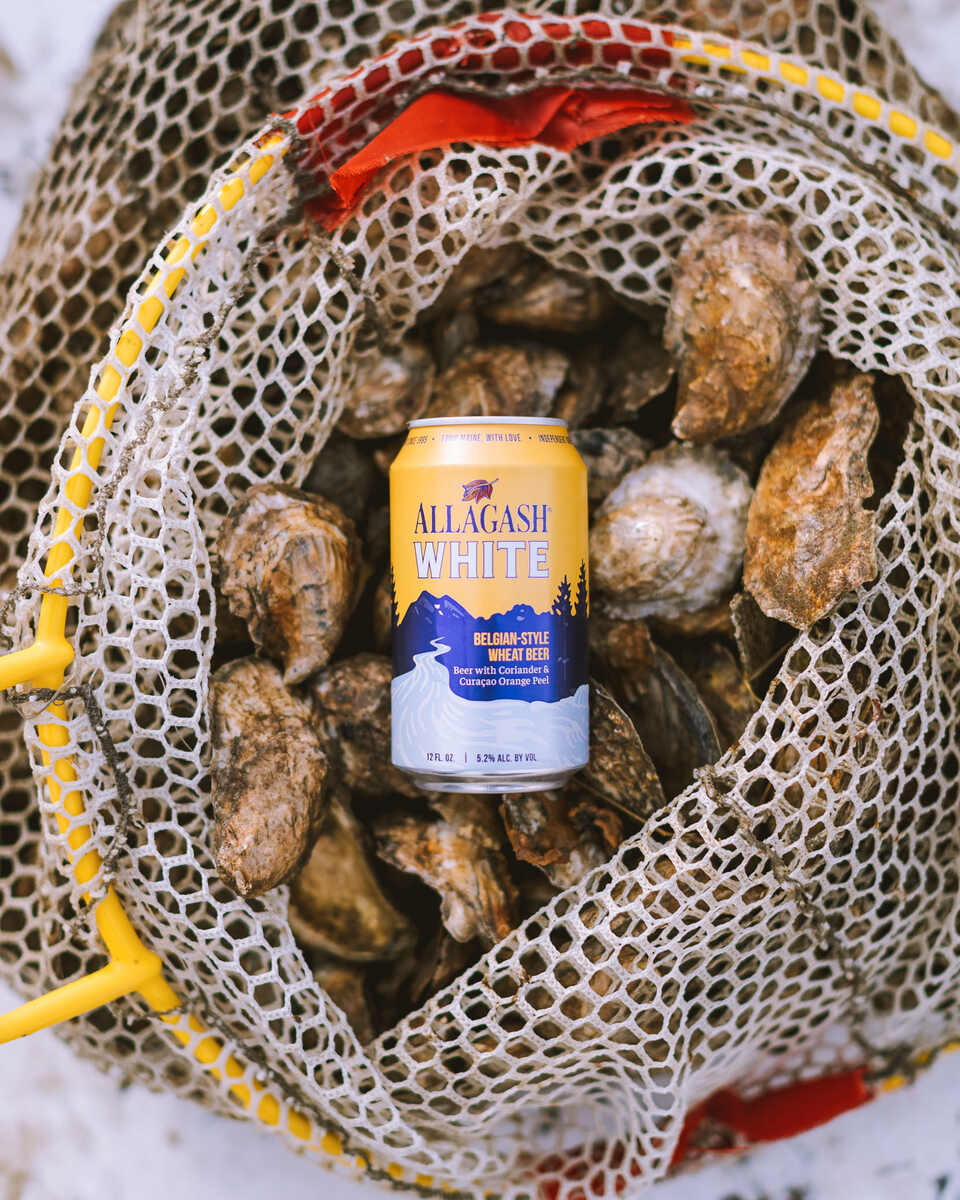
(732, 469)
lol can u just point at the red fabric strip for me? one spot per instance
(778, 1114)
(560, 117)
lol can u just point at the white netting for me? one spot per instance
(789, 914)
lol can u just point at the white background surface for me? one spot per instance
(68, 1133)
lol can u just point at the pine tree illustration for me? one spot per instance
(580, 609)
(561, 606)
(394, 610)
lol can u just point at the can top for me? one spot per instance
(487, 421)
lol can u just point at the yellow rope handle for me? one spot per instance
(133, 968)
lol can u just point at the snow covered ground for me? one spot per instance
(68, 1133)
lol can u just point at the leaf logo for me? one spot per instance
(478, 489)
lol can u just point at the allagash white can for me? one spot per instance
(488, 533)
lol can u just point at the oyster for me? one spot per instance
(288, 567)
(345, 475)
(669, 538)
(621, 645)
(563, 833)
(352, 703)
(758, 637)
(742, 324)
(383, 456)
(452, 334)
(674, 725)
(721, 685)
(493, 381)
(582, 394)
(389, 389)
(382, 616)
(713, 620)
(336, 903)
(608, 454)
(638, 369)
(809, 538)
(269, 774)
(439, 963)
(478, 898)
(620, 770)
(346, 985)
(480, 266)
(536, 296)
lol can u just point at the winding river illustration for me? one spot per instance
(429, 718)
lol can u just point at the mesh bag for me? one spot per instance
(790, 914)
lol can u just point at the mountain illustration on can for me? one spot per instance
(490, 605)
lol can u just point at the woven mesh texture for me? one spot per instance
(795, 910)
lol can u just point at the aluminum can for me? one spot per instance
(489, 571)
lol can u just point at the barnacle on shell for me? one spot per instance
(809, 539)
(337, 905)
(288, 567)
(390, 388)
(742, 324)
(669, 538)
(477, 896)
(269, 774)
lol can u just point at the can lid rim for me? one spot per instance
(487, 421)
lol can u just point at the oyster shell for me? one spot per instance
(493, 381)
(758, 637)
(352, 704)
(669, 538)
(742, 324)
(478, 898)
(621, 645)
(582, 394)
(288, 567)
(336, 903)
(439, 963)
(674, 725)
(382, 615)
(609, 455)
(269, 774)
(712, 620)
(535, 296)
(344, 474)
(638, 369)
(346, 985)
(564, 833)
(452, 334)
(809, 538)
(480, 266)
(389, 389)
(721, 685)
(620, 770)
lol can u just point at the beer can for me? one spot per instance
(488, 543)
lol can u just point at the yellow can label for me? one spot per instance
(490, 599)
